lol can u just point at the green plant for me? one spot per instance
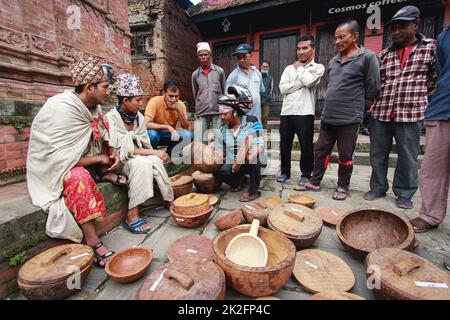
(19, 258)
(19, 122)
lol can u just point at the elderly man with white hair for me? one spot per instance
(208, 83)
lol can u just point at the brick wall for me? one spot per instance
(170, 47)
(38, 41)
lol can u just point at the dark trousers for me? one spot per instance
(346, 136)
(233, 179)
(407, 138)
(303, 126)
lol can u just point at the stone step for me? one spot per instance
(362, 144)
(360, 158)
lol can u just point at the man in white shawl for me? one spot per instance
(69, 135)
(141, 163)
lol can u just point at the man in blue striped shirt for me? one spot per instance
(241, 139)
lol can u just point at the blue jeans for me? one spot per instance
(163, 138)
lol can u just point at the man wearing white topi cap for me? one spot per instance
(208, 83)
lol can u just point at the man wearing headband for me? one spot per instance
(240, 138)
(141, 163)
(208, 83)
(68, 136)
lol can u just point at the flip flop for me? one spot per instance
(338, 193)
(307, 187)
(133, 227)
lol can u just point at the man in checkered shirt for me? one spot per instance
(408, 76)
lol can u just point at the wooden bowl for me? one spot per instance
(300, 225)
(229, 220)
(303, 199)
(256, 210)
(257, 282)
(191, 221)
(181, 185)
(271, 201)
(213, 199)
(129, 264)
(206, 183)
(364, 230)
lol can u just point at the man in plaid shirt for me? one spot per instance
(408, 76)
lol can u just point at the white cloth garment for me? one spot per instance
(141, 170)
(60, 133)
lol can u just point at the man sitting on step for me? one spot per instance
(141, 163)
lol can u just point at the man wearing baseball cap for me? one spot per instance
(248, 75)
(408, 76)
(208, 83)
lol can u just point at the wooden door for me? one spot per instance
(279, 50)
(222, 55)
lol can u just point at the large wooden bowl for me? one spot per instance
(204, 158)
(181, 185)
(257, 282)
(191, 221)
(363, 230)
(129, 264)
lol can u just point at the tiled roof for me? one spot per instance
(204, 7)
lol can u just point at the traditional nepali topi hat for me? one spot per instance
(128, 85)
(88, 70)
(203, 46)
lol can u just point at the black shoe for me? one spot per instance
(365, 132)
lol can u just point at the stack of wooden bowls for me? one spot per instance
(298, 223)
(191, 210)
(182, 185)
(46, 275)
(364, 230)
(257, 281)
(204, 158)
(206, 182)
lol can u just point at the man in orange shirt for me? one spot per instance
(162, 115)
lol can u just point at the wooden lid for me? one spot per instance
(213, 199)
(405, 275)
(56, 264)
(180, 180)
(294, 223)
(271, 201)
(318, 271)
(186, 279)
(330, 215)
(191, 200)
(334, 295)
(192, 245)
(201, 176)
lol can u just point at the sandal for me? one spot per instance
(307, 186)
(116, 182)
(133, 227)
(99, 258)
(340, 195)
(419, 225)
(247, 197)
